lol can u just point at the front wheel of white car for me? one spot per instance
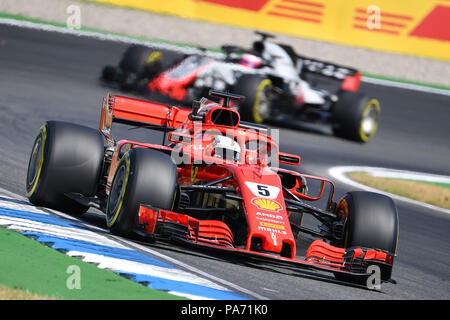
(257, 90)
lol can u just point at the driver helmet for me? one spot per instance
(250, 61)
(226, 148)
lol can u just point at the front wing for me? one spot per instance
(352, 263)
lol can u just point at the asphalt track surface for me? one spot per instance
(47, 76)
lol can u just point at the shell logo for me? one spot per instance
(266, 204)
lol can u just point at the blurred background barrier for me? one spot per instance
(414, 27)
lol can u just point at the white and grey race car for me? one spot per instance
(279, 84)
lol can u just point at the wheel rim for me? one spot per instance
(117, 190)
(35, 161)
(262, 102)
(369, 121)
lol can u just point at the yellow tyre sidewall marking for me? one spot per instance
(372, 103)
(261, 86)
(154, 56)
(111, 222)
(43, 133)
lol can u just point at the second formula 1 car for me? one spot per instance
(216, 183)
(279, 84)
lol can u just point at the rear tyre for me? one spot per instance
(356, 116)
(142, 176)
(257, 90)
(136, 58)
(146, 62)
(371, 221)
(66, 158)
(109, 73)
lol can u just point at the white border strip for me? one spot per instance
(407, 175)
(340, 172)
(402, 85)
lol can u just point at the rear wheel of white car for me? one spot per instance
(146, 62)
(137, 58)
(257, 90)
(143, 176)
(356, 116)
(65, 158)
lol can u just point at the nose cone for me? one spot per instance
(267, 218)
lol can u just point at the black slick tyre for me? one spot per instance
(356, 116)
(371, 221)
(258, 103)
(144, 176)
(136, 58)
(146, 62)
(65, 158)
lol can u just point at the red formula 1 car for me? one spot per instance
(216, 184)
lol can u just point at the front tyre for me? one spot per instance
(371, 221)
(356, 116)
(257, 90)
(65, 158)
(142, 176)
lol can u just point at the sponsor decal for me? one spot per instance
(254, 5)
(274, 231)
(268, 215)
(267, 204)
(262, 190)
(435, 25)
(270, 220)
(272, 225)
(297, 10)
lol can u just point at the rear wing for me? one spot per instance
(137, 112)
(350, 78)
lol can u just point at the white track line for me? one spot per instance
(402, 85)
(339, 173)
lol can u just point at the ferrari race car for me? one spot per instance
(279, 84)
(214, 182)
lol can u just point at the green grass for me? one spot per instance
(35, 269)
(439, 184)
(437, 194)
